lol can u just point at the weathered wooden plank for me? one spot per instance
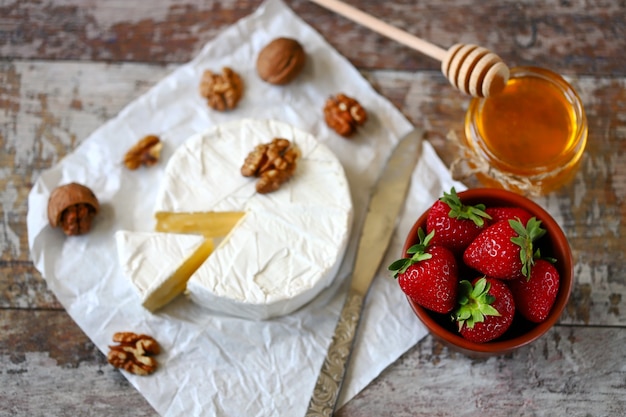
(45, 111)
(565, 36)
(53, 369)
(49, 108)
(571, 371)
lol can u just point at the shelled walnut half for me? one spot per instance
(273, 163)
(72, 207)
(222, 91)
(145, 152)
(344, 114)
(134, 352)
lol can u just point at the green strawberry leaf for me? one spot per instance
(417, 252)
(474, 303)
(460, 211)
(526, 236)
(479, 288)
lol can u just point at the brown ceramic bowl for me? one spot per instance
(522, 332)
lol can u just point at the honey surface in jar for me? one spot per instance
(531, 124)
(529, 138)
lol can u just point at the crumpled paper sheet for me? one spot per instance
(212, 364)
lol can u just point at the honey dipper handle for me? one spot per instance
(383, 28)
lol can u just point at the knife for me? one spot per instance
(383, 211)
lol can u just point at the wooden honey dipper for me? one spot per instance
(472, 69)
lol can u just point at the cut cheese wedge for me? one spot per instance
(216, 224)
(160, 264)
(289, 244)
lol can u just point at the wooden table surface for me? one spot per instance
(67, 67)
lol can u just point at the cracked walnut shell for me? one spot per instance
(281, 61)
(222, 91)
(134, 353)
(273, 163)
(72, 207)
(145, 152)
(344, 114)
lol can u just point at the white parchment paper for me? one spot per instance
(214, 365)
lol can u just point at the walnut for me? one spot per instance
(281, 61)
(222, 91)
(273, 163)
(145, 152)
(72, 207)
(134, 353)
(344, 114)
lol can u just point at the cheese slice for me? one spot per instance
(160, 264)
(289, 244)
(216, 224)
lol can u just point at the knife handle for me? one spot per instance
(330, 379)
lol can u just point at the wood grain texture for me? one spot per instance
(69, 66)
(432, 381)
(55, 370)
(569, 37)
(56, 367)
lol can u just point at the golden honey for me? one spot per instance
(530, 137)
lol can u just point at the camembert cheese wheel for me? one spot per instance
(276, 251)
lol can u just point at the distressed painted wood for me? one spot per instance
(568, 36)
(534, 381)
(55, 366)
(67, 67)
(53, 369)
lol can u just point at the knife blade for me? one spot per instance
(386, 201)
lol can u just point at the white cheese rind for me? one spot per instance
(290, 243)
(149, 259)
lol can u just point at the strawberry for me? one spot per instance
(429, 276)
(535, 296)
(504, 250)
(455, 223)
(508, 213)
(486, 309)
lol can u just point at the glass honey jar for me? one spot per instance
(530, 137)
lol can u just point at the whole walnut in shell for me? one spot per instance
(281, 61)
(72, 207)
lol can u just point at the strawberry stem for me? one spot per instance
(525, 239)
(474, 303)
(417, 252)
(460, 211)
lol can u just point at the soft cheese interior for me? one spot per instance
(160, 264)
(288, 245)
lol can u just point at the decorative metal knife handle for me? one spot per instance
(330, 379)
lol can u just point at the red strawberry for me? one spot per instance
(508, 213)
(486, 309)
(455, 224)
(429, 276)
(534, 297)
(504, 250)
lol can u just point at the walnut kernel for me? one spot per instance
(145, 152)
(72, 207)
(281, 61)
(344, 114)
(273, 163)
(222, 91)
(134, 352)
